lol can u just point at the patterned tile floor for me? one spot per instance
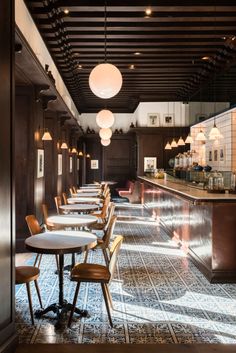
(158, 294)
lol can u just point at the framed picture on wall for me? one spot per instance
(168, 119)
(210, 155)
(71, 164)
(222, 154)
(94, 164)
(59, 164)
(40, 163)
(215, 155)
(153, 119)
(150, 163)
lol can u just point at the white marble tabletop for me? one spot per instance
(72, 220)
(85, 194)
(82, 199)
(79, 207)
(62, 241)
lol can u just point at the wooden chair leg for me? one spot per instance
(86, 256)
(30, 302)
(105, 256)
(109, 296)
(57, 263)
(74, 304)
(36, 259)
(38, 292)
(107, 303)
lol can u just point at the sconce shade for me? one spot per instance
(189, 139)
(105, 134)
(74, 150)
(64, 146)
(105, 142)
(47, 136)
(173, 144)
(214, 133)
(168, 146)
(80, 153)
(88, 155)
(105, 80)
(105, 119)
(180, 142)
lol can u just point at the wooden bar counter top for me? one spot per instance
(203, 224)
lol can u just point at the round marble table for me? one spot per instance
(71, 220)
(95, 187)
(80, 208)
(82, 199)
(88, 193)
(60, 243)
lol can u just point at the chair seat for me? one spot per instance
(90, 273)
(25, 274)
(97, 226)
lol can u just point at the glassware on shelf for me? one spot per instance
(216, 182)
(233, 182)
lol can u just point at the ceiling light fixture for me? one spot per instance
(201, 136)
(181, 142)
(189, 139)
(74, 150)
(47, 136)
(66, 11)
(105, 80)
(105, 142)
(131, 67)
(137, 53)
(105, 118)
(148, 11)
(168, 146)
(64, 146)
(105, 134)
(215, 132)
(80, 154)
(173, 144)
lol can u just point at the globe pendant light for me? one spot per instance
(168, 146)
(105, 134)
(105, 142)
(105, 119)
(180, 142)
(105, 80)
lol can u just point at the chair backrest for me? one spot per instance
(64, 198)
(111, 211)
(109, 232)
(105, 207)
(45, 216)
(71, 191)
(74, 188)
(33, 225)
(58, 203)
(114, 251)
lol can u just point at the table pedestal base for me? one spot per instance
(60, 310)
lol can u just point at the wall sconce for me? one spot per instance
(74, 150)
(64, 146)
(80, 154)
(46, 136)
(88, 155)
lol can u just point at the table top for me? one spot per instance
(82, 199)
(72, 220)
(85, 194)
(95, 187)
(78, 207)
(60, 242)
(88, 191)
(109, 182)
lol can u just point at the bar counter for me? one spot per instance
(203, 224)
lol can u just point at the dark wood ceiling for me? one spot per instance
(171, 41)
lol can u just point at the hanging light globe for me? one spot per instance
(105, 142)
(105, 118)
(105, 134)
(105, 80)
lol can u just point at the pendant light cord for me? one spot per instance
(105, 31)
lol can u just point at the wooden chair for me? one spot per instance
(34, 228)
(102, 215)
(103, 226)
(27, 274)
(74, 188)
(84, 272)
(104, 242)
(71, 191)
(49, 226)
(58, 203)
(64, 198)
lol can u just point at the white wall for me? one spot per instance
(207, 109)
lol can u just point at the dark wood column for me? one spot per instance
(7, 236)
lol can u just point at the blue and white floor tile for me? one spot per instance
(158, 294)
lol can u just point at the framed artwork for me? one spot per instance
(153, 119)
(150, 163)
(222, 154)
(215, 155)
(168, 119)
(210, 155)
(94, 164)
(71, 164)
(40, 163)
(59, 164)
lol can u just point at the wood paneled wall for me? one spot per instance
(7, 232)
(32, 191)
